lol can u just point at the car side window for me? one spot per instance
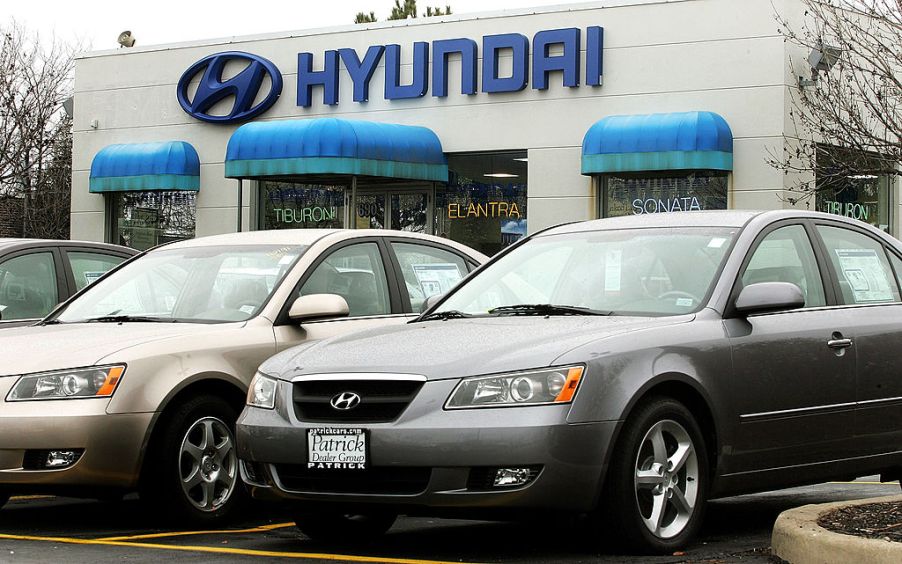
(88, 267)
(355, 273)
(897, 265)
(428, 271)
(786, 255)
(860, 265)
(28, 286)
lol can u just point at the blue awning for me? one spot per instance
(167, 165)
(335, 146)
(674, 141)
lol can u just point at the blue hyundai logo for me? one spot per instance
(244, 87)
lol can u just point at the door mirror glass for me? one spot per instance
(769, 297)
(318, 306)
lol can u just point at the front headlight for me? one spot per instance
(95, 382)
(262, 392)
(538, 387)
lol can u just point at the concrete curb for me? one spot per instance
(798, 539)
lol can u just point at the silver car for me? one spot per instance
(624, 369)
(136, 383)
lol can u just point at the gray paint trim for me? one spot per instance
(816, 408)
(360, 376)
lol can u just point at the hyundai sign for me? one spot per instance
(246, 86)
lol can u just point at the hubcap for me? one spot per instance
(208, 464)
(666, 479)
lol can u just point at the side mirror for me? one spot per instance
(768, 297)
(318, 306)
(430, 301)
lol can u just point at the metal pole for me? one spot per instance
(240, 196)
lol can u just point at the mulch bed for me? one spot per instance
(874, 521)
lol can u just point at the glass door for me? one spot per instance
(369, 211)
(393, 208)
(410, 212)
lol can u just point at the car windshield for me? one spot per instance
(194, 284)
(659, 271)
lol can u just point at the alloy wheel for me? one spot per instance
(208, 464)
(666, 479)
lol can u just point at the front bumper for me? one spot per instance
(433, 457)
(111, 445)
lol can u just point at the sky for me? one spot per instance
(96, 24)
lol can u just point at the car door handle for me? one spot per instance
(839, 343)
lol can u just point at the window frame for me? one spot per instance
(406, 307)
(395, 303)
(827, 281)
(70, 272)
(62, 284)
(834, 279)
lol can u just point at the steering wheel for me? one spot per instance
(677, 294)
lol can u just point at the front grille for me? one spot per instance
(381, 401)
(378, 480)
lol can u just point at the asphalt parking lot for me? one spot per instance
(47, 529)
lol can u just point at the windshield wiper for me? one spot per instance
(545, 309)
(444, 315)
(127, 319)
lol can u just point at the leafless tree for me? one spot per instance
(35, 133)
(847, 119)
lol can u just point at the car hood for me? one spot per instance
(58, 347)
(457, 347)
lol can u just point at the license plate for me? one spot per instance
(336, 449)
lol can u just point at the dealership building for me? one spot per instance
(478, 127)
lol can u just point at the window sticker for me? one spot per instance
(91, 277)
(716, 242)
(865, 274)
(613, 269)
(437, 278)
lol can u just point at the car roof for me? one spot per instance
(311, 236)
(708, 218)
(7, 244)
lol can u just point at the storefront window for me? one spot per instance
(290, 205)
(848, 185)
(142, 220)
(484, 203)
(668, 192)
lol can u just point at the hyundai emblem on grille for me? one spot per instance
(345, 401)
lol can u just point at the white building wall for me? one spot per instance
(724, 56)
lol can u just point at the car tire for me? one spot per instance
(191, 471)
(657, 485)
(345, 527)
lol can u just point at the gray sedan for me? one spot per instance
(625, 369)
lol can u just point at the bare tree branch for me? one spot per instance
(849, 122)
(35, 134)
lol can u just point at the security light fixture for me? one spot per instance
(69, 106)
(821, 58)
(126, 39)
(501, 175)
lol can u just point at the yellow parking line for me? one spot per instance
(260, 529)
(25, 497)
(223, 550)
